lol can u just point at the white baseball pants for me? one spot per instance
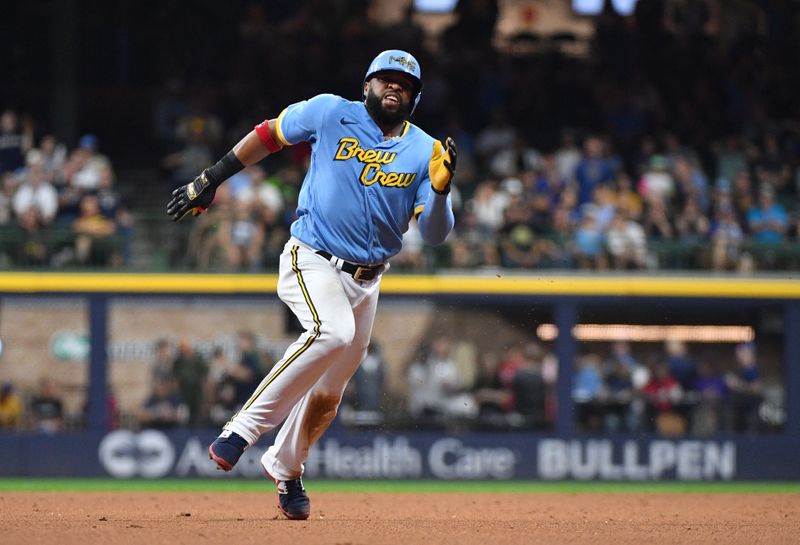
(306, 385)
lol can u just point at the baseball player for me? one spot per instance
(371, 171)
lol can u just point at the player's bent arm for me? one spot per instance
(436, 219)
(251, 149)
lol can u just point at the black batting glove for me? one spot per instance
(194, 197)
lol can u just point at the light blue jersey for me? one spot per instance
(360, 190)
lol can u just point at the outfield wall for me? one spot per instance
(562, 453)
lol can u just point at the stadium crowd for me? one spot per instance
(670, 142)
(58, 208)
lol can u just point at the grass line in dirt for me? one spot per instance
(378, 486)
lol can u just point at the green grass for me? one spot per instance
(522, 487)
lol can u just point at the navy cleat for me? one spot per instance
(293, 500)
(226, 450)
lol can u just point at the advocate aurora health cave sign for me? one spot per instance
(155, 454)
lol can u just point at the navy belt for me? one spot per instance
(362, 273)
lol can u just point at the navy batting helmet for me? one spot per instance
(396, 60)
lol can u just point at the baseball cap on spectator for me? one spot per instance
(723, 185)
(658, 162)
(88, 141)
(34, 157)
(766, 190)
(512, 186)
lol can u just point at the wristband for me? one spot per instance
(265, 135)
(224, 169)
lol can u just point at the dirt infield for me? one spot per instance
(115, 518)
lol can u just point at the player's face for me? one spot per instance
(389, 97)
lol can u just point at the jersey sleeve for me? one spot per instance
(424, 187)
(302, 121)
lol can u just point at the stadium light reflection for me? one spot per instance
(653, 333)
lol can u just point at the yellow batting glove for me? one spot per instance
(442, 166)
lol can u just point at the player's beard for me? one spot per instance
(381, 115)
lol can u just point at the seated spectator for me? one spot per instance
(90, 164)
(435, 388)
(10, 408)
(29, 245)
(37, 194)
(246, 238)
(727, 238)
(46, 408)
(163, 409)
(54, 155)
(626, 243)
(768, 221)
(95, 243)
(589, 244)
(662, 395)
(491, 395)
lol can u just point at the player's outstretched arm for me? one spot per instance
(196, 196)
(436, 220)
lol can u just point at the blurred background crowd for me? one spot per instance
(451, 385)
(663, 139)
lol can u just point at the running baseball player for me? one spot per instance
(371, 172)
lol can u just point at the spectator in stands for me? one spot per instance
(711, 397)
(662, 394)
(657, 182)
(746, 389)
(435, 388)
(46, 408)
(10, 408)
(587, 387)
(220, 389)
(492, 396)
(161, 368)
(195, 155)
(15, 141)
(626, 243)
(727, 238)
(95, 241)
(364, 394)
(54, 155)
(246, 238)
(594, 168)
(768, 221)
(36, 193)
(681, 365)
(191, 369)
(590, 243)
(29, 244)
(691, 181)
(90, 163)
(248, 371)
(657, 222)
(489, 204)
(772, 168)
(163, 409)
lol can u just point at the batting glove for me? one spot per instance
(442, 167)
(194, 197)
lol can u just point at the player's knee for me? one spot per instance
(341, 335)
